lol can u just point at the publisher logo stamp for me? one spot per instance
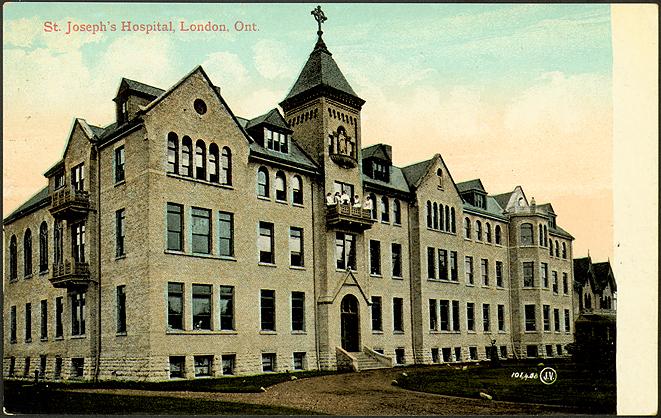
(548, 375)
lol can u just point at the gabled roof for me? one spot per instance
(584, 272)
(475, 184)
(415, 172)
(295, 158)
(139, 87)
(493, 209)
(604, 275)
(503, 199)
(40, 199)
(546, 207)
(272, 117)
(320, 72)
(380, 151)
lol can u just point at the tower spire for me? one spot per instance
(320, 17)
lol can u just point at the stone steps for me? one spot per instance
(367, 362)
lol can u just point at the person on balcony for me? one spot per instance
(337, 199)
(345, 198)
(356, 202)
(368, 204)
(330, 201)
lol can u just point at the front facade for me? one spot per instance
(184, 241)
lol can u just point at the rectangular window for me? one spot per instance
(375, 257)
(565, 284)
(567, 321)
(268, 362)
(503, 351)
(499, 273)
(472, 352)
(454, 271)
(119, 164)
(299, 361)
(545, 275)
(396, 250)
(59, 310)
(442, 264)
(298, 311)
(44, 320)
(201, 306)
(226, 233)
(532, 351)
(377, 321)
(265, 243)
(486, 317)
(434, 355)
(528, 274)
(267, 306)
(121, 309)
(433, 315)
(444, 306)
(400, 356)
(26, 367)
(296, 247)
(546, 315)
(78, 313)
(431, 263)
(12, 334)
(229, 362)
(57, 372)
(120, 231)
(398, 314)
(456, 321)
(558, 348)
(470, 316)
(78, 177)
(59, 180)
(78, 242)
(549, 350)
(501, 317)
(77, 367)
(175, 221)
(203, 365)
(345, 251)
(554, 274)
(12, 366)
(175, 306)
(177, 366)
(556, 320)
(531, 322)
(447, 354)
(226, 307)
(484, 269)
(201, 226)
(469, 269)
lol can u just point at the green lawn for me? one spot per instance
(580, 390)
(27, 400)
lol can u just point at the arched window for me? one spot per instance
(27, 252)
(213, 163)
(467, 228)
(262, 182)
(498, 235)
(439, 174)
(173, 153)
(488, 232)
(297, 190)
(447, 219)
(453, 224)
(478, 230)
(541, 234)
(43, 247)
(200, 160)
(13, 258)
(546, 238)
(551, 248)
(429, 215)
(372, 197)
(397, 212)
(441, 223)
(58, 242)
(226, 166)
(186, 157)
(385, 209)
(557, 249)
(526, 234)
(564, 250)
(435, 215)
(280, 187)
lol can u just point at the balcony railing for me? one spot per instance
(348, 216)
(69, 203)
(70, 274)
(342, 151)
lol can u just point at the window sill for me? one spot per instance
(43, 339)
(345, 270)
(60, 338)
(120, 334)
(398, 278)
(78, 337)
(263, 332)
(398, 332)
(385, 222)
(299, 333)
(29, 276)
(120, 257)
(43, 272)
(471, 332)
(376, 275)
(485, 286)
(28, 340)
(121, 182)
(377, 332)
(261, 263)
(298, 205)
(195, 180)
(470, 285)
(501, 331)
(397, 224)
(265, 198)
(530, 332)
(199, 255)
(199, 332)
(297, 267)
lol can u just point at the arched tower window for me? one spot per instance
(467, 228)
(372, 197)
(439, 174)
(43, 247)
(541, 234)
(435, 215)
(13, 258)
(478, 230)
(488, 232)
(546, 238)
(58, 242)
(447, 219)
(213, 163)
(262, 182)
(297, 190)
(564, 250)
(498, 234)
(453, 224)
(173, 153)
(397, 212)
(385, 209)
(280, 187)
(441, 223)
(226, 166)
(557, 249)
(27, 252)
(429, 215)
(186, 157)
(200, 160)
(526, 237)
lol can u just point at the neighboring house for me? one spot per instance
(185, 241)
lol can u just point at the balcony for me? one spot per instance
(342, 150)
(348, 217)
(70, 275)
(69, 203)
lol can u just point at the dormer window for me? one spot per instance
(124, 111)
(59, 180)
(380, 171)
(479, 201)
(276, 141)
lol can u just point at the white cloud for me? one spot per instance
(21, 32)
(225, 69)
(272, 60)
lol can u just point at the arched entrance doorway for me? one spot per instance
(350, 323)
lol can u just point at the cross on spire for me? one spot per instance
(320, 17)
